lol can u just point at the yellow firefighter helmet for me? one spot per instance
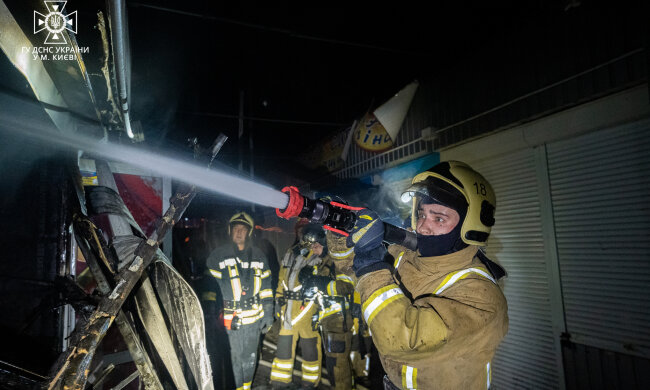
(456, 185)
(244, 219)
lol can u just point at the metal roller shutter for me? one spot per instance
(600, 186)
(528, 357)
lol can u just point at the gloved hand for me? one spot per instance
(267, 323)
(305, 273)
(267, 320)
(277, 313)
(366, 238)
(316, 281)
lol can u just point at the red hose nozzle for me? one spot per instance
(295, 205)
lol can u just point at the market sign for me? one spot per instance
(370, 135)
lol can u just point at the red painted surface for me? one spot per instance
(142, 195)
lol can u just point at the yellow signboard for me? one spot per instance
(370, 135)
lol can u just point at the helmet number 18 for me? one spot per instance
(480, 188)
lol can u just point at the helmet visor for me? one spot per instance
(434, 190)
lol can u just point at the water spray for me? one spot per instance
(289, 203)
(211, 180)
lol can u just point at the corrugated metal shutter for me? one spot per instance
(600, 186)
(528, 357)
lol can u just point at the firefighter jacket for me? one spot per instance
(243, 279)
(340, 290)
(437, 321)
(289, 291)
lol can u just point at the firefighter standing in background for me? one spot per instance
(243, 282)
(438, 315)
(296, 314)
(335, 316)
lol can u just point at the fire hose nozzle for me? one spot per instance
(337, 217)
(294, 205)
(334, 216)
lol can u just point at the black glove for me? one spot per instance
(316, 281)
(305, 273)
(277, 313)
(366, 238)
(267, 320)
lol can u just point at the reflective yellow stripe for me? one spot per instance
(331, 288)
(399, 260)
(257, 282)
(247, 385)
(209, 296)
(333, 309)
(236, 288)
(345, 278)
(330, 312)
(251, 312)
(268, 293)
(309, 377)
(380, 299)
(310, 367)
(283, 365)
(302, 314)
(458, 275)
(357, 297)
(280, 377)
(266, 274)
(488, 374)
(357, 236)
(235, 283)
(340, 255)
(215, 273)
(281, 370)
(252, 320)
(409, 377)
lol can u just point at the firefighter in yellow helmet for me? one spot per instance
(436, 314)
(295, 313)
(241, 289)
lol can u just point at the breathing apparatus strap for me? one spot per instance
(495, 269)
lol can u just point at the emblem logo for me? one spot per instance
(55, 22)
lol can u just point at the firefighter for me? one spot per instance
(243, 283)
(335, 315)
(439, 316)
(296, 314)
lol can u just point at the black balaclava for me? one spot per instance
(443, 244)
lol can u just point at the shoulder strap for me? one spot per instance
(495, 269)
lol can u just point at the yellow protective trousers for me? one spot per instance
(310, 346)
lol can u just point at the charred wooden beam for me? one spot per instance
(75, 367)
(91, 243)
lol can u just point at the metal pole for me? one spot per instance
(252, 156)
(240, 133)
